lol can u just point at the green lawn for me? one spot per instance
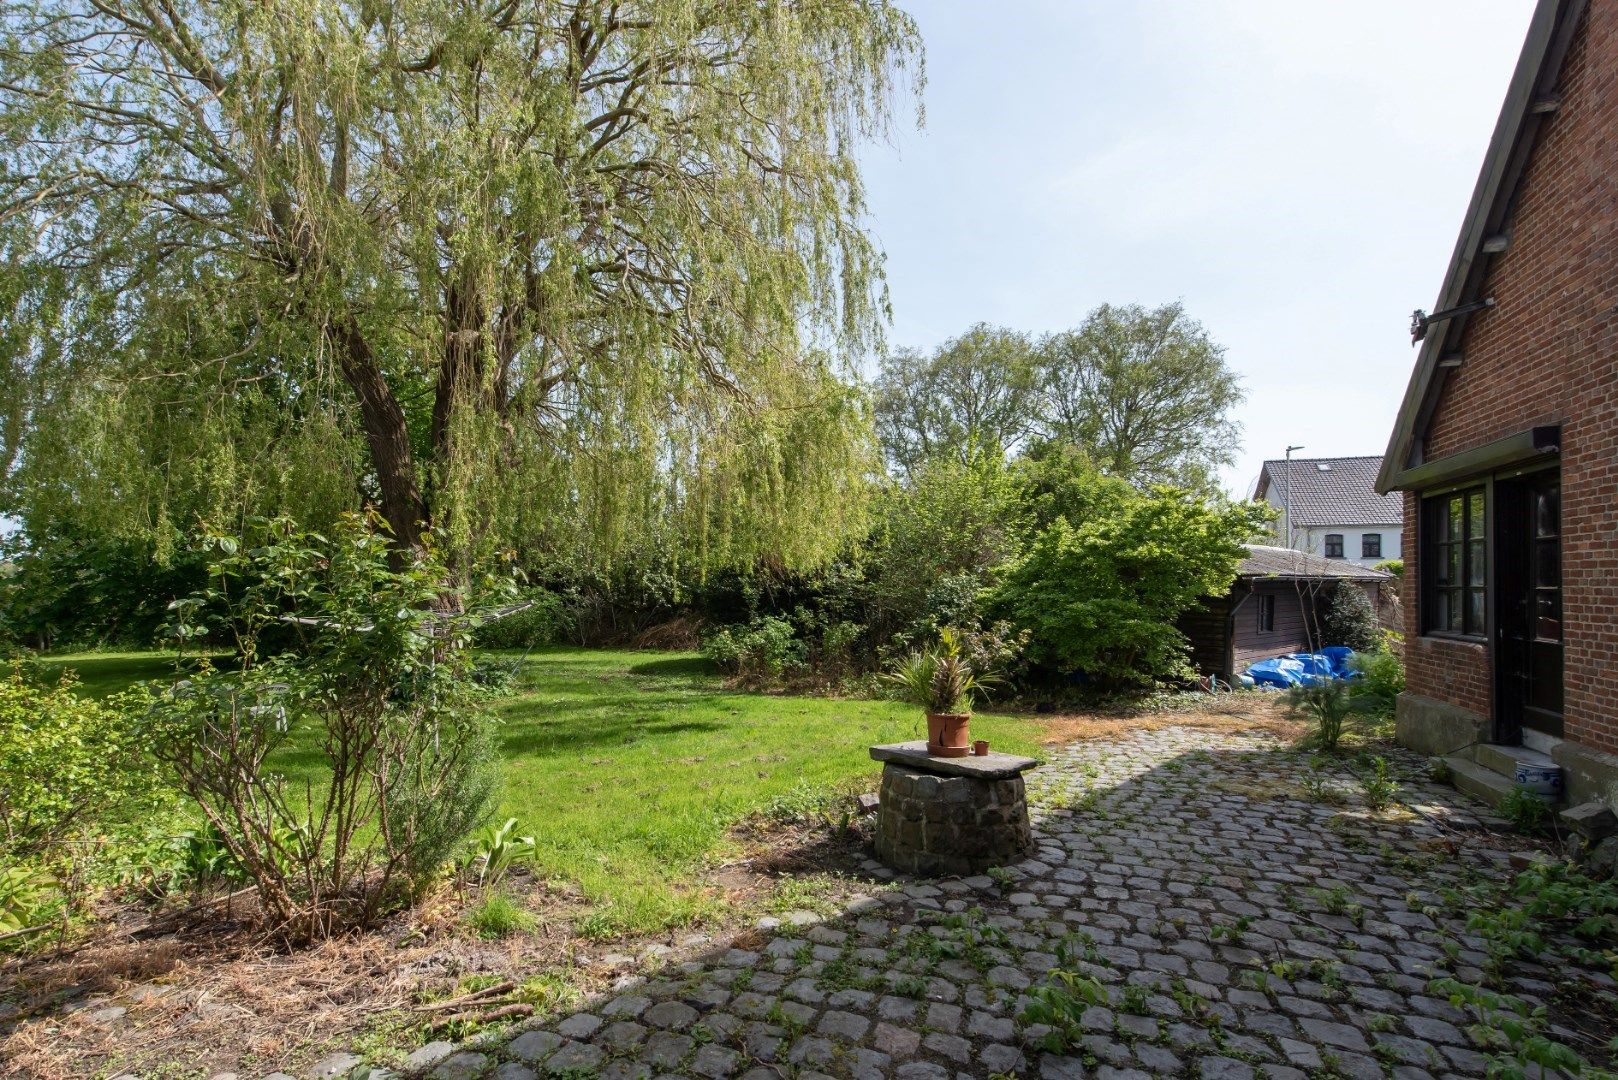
(630, 766)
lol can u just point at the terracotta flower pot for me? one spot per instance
(946, 734)
(981, 748)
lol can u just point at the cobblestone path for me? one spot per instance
(1246, 913)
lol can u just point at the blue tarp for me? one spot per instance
(1303, 669)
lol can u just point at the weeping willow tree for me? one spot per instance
(527, 272)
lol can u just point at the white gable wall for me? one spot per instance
(1312, 538)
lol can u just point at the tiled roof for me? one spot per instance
(1330, 491)
(1278, 562)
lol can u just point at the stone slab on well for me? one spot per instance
(990, 766)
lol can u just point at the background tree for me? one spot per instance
(1146, 393)
(976, 392)
(525, 271)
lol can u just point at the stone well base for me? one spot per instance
(934, 825)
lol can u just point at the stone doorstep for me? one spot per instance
(1479, 781)
(991, 766)
(1505, 759)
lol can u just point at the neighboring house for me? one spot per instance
(1506, 444)
(1330, 507)
(1274, 607)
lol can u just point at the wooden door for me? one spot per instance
(1528, 662)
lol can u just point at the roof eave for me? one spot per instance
(1538, 70)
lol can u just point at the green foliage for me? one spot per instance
(1101, 597)
(977, 393)
(937, 543)
(1146, 393)
(940, 680)
(573, 281)
(1526, 811)
(62, 591)
(495, 850)
(1517, 1031)
(1381, 681)
(1560, 896)
(1327, 705)
(1061, 1004)
(68, 764)
(767, 646)
(1377, 783)
(546, 621)
(497, 915)
(382, 676)
(27, 897)
(1349, 620)
(1396, 567)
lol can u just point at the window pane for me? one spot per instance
(1547, 512)
(1439, 620)
(1453, 517)
(1371, 546)
(1548, 563)
(1454, 558)
(1474, 522)
(1548, 614)
(1475, 563)
(1474, 611)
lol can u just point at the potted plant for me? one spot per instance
(942, 682)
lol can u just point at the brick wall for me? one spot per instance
(1548, 354)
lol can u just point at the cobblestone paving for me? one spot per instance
(1244, 923)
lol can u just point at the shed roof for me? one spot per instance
(1277, 562)
(1331, 491)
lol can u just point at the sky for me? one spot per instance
(1295, 173)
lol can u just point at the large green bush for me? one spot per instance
(70, 591)
(1101, 598)
(765, 646)
(1350, 620)
(546, 621)
(938, 541)
(68, 765)
(1381, 681)
(379, 689)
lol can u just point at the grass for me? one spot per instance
(630, 767)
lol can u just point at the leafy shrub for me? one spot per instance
(63, 758)
(1349, 620)
(1396, 567)
(79, 591)
(997, 650)
(1381, 681)
(379, 690)
(1101, 599)
(1520, 1031)
(937, 541)
(546, 621)
(1327, 705)
(767, 646)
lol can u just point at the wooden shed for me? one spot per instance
(1274, 607)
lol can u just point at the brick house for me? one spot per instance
(1506, 445)
(1330, 507)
